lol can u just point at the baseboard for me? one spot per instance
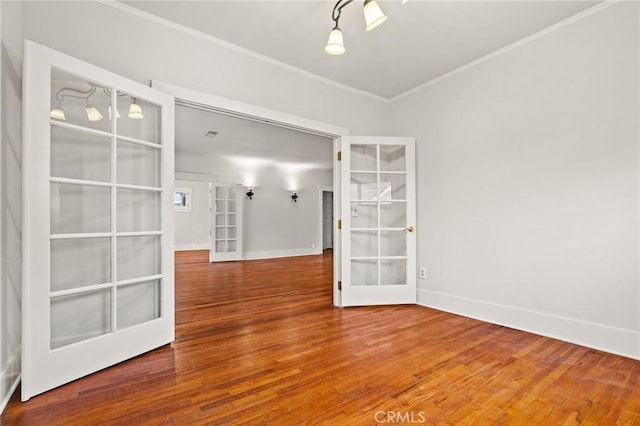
(9, 380)
(189, 247)
(271, 254)
(597, 336)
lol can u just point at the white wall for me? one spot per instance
(192, 228)
(10, 197)
(528, 184)
(273, 224)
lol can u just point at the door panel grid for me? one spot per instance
(82, 205)
(226, 228)
(98, 232)
(378, 199)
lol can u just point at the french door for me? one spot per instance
(226, 223)
(98, 227)
(377, 202)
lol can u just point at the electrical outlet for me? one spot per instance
(313, 245)
(422, 273)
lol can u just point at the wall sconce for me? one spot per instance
(294, 197)
(250, 194)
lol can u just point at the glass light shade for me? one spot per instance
(93, 114)
(335, 45)
(135, 111)
(373, 15)
(58, 114)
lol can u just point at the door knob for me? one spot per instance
(410, 228)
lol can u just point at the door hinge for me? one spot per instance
(340, 285)
(339, 155)
(339, 224)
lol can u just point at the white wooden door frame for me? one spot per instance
(198, 99)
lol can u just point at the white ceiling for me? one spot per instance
(245, 142)
(420, 41)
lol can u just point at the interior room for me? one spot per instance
(477, 164)
(270, 161)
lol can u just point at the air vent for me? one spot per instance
(211, 134)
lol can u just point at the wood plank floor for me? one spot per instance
(259, 342)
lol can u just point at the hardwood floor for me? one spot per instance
(259, 342)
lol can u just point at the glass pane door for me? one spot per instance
(226, 232)
(378, 217)
(98, 172)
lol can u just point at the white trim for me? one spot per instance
(197, 177)
(211, 39)
(13, 365)
(204, 100)
(597, 336)
(638, 313)
(337, 233)
(570, 20)
(272, 254)
(12, 389)
(321, 189)
(169, 24)
(189, 247)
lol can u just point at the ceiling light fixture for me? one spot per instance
(373, 16)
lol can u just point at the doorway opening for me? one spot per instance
(202, 100)
(327, 220)
(245, 207)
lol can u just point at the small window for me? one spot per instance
(182, 199)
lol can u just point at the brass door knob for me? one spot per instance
(410, 228)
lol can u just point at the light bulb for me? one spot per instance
(58, 113)
(135, 111)
(373, 15)
(335, 45)
(93, 114)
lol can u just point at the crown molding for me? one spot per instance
(570, 20)
(219, 42)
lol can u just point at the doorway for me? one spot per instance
(209, 102)
(327, 220)
(271, 163)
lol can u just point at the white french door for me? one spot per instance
(378, 213)
(226, 223)
(98, 219)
